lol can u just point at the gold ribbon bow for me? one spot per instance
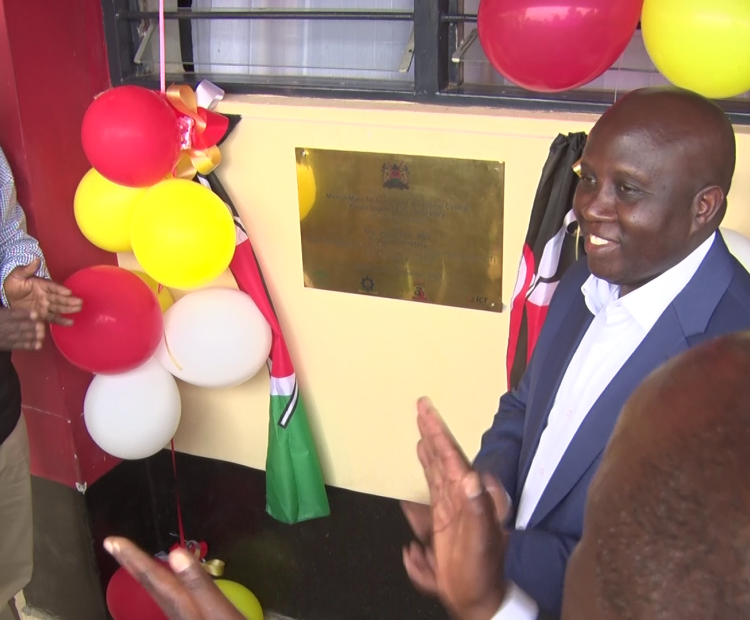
(215, 568)
(195, 157)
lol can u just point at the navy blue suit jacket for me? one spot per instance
(716, 301)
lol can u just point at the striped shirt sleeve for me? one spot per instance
(17, 247)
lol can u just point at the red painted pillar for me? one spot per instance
(53, 61)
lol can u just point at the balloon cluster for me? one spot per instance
(701, 45)
(145, 147)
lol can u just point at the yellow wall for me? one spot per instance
(362, 362)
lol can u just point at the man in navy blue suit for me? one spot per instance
(657, 279)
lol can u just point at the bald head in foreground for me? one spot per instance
(667, 524)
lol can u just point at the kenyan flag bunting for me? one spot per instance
(294, 482)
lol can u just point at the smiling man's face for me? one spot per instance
(650, 192)
(633, 204)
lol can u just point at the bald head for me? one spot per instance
(667, 526)
(683, 120)
(655, 174)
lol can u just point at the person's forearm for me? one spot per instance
(17, 247)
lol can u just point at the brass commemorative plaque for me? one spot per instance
(419, 228)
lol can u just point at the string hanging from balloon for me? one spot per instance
(180, 525)
(163, 86)
(162, 50)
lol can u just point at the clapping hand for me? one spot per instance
(461, 558)
(49, 300)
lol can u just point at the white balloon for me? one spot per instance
(214, 337)
(738, 245)
(133, 415)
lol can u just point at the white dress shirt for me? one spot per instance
(620, 324)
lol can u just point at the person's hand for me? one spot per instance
(20, 329)
(184, 593)
(419, 517)
(48, 299)
(464, 563)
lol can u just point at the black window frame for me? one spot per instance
(435, 27)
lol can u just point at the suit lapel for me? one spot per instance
(665, 340)
(688, 315)
(572, 328)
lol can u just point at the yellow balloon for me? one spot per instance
(103, 210)
(700, 45)
(162, 292)
(241, 598)
(182, 234)
(305, 189)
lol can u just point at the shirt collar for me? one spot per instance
(647, 303)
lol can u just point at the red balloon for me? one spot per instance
(128, 600)
(131, 136)
(120, 324)
(555, 45)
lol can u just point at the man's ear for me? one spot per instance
(708, 205)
